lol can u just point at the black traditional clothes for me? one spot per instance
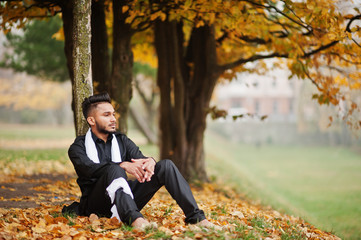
(106, 190)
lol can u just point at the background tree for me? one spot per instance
(26, 51)
(145, 114)
(197, 42)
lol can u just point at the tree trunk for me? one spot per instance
(142, 125)
(150, 115)
(202, 55)
(83, 86)
(68, 22)
(121, 79)
(166, 125)
(183, 108)
(99, 48)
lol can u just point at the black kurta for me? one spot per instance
(94, 178)
(89, 172)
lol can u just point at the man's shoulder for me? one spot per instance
(120, 135)
(79, 140)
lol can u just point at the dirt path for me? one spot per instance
(34, 190)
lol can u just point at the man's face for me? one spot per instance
(103, 118)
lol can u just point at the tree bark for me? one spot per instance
(180, 137)
(68, 22)
(203, 57)
(83, 86)
(99, 48)
(166, 125)
(122, 64)
(186, 83)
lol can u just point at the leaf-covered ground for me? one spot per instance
(32, 196)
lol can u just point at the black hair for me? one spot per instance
(91, 102)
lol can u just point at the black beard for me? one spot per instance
(103, 130)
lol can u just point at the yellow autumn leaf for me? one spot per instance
(59, 35)
(163, 16)
(125, 8)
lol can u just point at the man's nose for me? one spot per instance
(113, 119)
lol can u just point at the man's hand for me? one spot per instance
(148, 167)
(142, 169)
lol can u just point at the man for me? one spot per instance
(103, 157)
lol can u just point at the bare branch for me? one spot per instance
(281, 13)
(337, 69)
(348, 27)
(356, 43)
(309, 76)
(250, 59)
(293, 12)
(272, 55)
(346, 60)
(253, 39)
(140, 91)
(322, 47)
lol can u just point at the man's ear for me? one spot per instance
(91, 121)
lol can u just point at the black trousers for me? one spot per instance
(129, 197)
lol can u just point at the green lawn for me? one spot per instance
(8, 155)
(29, 132)
(321, 185)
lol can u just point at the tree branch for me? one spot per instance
(348, 26)
(285, 55)
(346, 60)
(281, 13)
(309, 76)
(144, 26)
(272, 55)
(253, 39)
(223, 37)
(250, 59)
(322, 47)
(31, 17)
(140, 91)
(356, 43)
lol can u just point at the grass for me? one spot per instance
(31, 132)
(33, 155)
(321, 185)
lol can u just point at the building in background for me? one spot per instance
(293, 117)
(272, 95)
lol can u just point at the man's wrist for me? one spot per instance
(122, 164)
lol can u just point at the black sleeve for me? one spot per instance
(84, 166)
(132, 150)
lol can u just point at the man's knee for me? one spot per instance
(165, 169)
(115, 171)
(166, 165)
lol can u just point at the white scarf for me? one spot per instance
(92, 153)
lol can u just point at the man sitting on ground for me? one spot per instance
(103, 157)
